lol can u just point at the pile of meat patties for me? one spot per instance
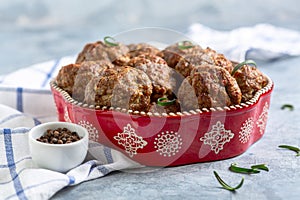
(140, 77)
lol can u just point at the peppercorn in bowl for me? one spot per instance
(58, 146)
(176, 105)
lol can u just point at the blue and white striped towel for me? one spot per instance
(23, 87)
(19, 177)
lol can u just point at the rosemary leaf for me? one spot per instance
(292, 148)
(163, 101)
(240, 65)
(260, 166)
(225, 185)
(110, 41)
(287, 106)
(234, 168)
(185, 45)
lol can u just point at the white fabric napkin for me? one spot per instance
(26, 100)
(23, 87)
(21, 179)
(262, 41)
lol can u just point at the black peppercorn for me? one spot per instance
(59, 136)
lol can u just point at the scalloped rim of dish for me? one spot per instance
(250, 102)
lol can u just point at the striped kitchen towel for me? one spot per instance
(23, 87)
(21, 179)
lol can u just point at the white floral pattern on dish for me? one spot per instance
(93, 132)
(262, 120)
(130, 140)
(217, 137)
(246, 130)
(168, 143)
(66, 115)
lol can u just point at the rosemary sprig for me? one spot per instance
(261, 167)
(288, 106)
(110, 41)
(185, 45)
(292, 148)
(234, 168)
(164, 101)
(225, 185)
(240, 65)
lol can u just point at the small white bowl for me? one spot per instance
(58, 157)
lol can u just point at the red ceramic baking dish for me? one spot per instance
(173, 139)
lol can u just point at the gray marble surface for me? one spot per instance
(34, 31)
